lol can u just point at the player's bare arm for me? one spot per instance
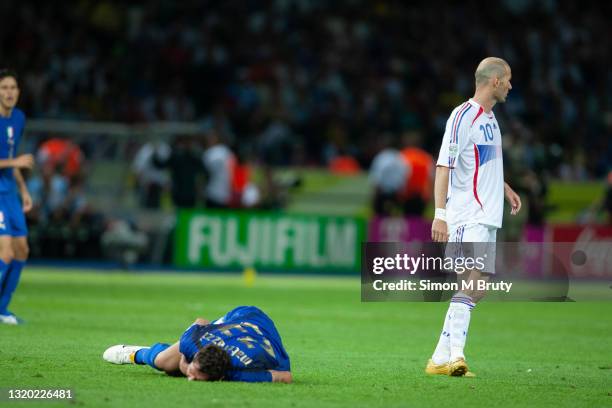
(24, 161)
(439, 227)
(169, 359)
(183, 365)
(513, 199)
(281, 376)
(26, 199)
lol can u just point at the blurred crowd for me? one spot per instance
(197, 171)
(62, 222)
(308, 81)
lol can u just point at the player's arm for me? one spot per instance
(281, 376)
(260, 376)
(201, 321)
(24, 161)
(455, 140)
(26, 199)
(183, 364)
(439, 228)
(513, 199)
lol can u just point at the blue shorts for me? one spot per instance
(256, 316)
(12, 218)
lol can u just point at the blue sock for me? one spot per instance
(9, 278)
(139, 356)
(147, 355)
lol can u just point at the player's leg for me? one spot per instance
(15, 223)
(438, 364)
(448, 357)
(6, 257)
(482, 239)
(20, 251)
(160, 356)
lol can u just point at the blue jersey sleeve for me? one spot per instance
(249, 376)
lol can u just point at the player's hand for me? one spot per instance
(513, 199)
(281, 376)
(25, 161)
(439, 231)
(26, 201)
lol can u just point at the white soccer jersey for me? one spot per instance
(472, 149)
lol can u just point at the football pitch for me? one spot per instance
(344, 353)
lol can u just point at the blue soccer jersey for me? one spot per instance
(249, 337)
(11, 130)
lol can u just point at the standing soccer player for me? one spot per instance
(469, 197)
(15, 199)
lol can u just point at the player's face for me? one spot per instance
(9, 92)
(503, 87)
(194, 373)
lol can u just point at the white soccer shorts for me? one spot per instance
(473, 240)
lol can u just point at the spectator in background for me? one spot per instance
(151, 180)
(245, 194)
(344, 163)
(389, 173)
(185, 166)
(419, 184)
(49, 192)
(218, 162)
(274, 63)
(61, 154)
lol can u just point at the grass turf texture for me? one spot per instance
(343, 352)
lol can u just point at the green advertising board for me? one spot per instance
(268, 241)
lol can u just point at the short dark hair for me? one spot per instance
(7, 72)
(214, 362)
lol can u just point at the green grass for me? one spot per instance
(344, 353)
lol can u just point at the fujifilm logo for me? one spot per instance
(275, 242)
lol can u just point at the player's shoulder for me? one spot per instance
(18, 114)
(466, 113)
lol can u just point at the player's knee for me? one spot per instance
(478, 295)
(7, 254)
(22, 252)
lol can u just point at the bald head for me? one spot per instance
(491, 67)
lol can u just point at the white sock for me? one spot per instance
(459, 310)
(441, 354)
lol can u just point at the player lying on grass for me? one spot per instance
(243, 345)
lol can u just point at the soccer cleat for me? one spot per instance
(442, 369)
(10, 319)
(121, 354)
(433, 368)
(457, 368)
